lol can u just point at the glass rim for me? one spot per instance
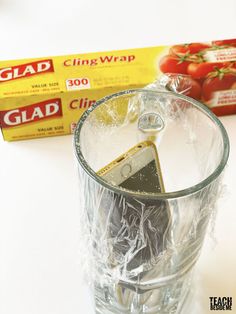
(166, 195)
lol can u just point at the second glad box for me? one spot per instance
(46, 96)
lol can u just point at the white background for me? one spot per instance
(39, 212)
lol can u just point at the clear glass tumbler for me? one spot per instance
(140, 248)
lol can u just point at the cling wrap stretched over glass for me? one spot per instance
(131, 241)
(138, 252)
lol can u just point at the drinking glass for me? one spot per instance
(140, 248)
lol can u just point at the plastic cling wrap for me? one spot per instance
(139, 248)
(136, 247)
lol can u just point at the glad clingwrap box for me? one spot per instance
(46, 96)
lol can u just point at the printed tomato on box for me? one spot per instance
(202, 69)
(225, 42)
(174, 64)
(188, 48)
(211, 68)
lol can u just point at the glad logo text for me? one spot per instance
(32, 113)
(26, 70)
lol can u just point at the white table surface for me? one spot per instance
(39, 211)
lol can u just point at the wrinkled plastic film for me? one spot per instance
(138, 252)
(134, 253)
(132, 239)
